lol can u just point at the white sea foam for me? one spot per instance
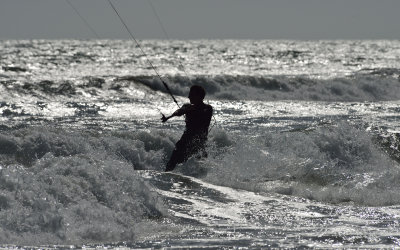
(334, 164)
(68, 187)
(356, 88)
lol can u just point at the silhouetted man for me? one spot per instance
(198, 117)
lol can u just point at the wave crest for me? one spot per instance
(69, 187)
(332, 164)
(370, 86)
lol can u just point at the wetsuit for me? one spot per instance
(194, 138)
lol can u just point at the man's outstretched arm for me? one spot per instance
(178, 112)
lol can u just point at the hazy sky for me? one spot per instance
(208, 19)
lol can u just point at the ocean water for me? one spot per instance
(303, 150)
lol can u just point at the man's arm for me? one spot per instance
(178, 112)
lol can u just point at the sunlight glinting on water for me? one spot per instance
(303, 151)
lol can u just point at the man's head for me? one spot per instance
(196, 94)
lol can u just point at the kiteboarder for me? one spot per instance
(197, 118)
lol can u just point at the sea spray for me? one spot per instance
(337, 163)
(63, 187)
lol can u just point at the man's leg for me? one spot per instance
(185, 148)
(178, 156)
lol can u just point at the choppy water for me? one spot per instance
(304, 150)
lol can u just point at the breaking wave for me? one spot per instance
(361, 87)
(335, 164)
(356, 88)
(64, 186)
